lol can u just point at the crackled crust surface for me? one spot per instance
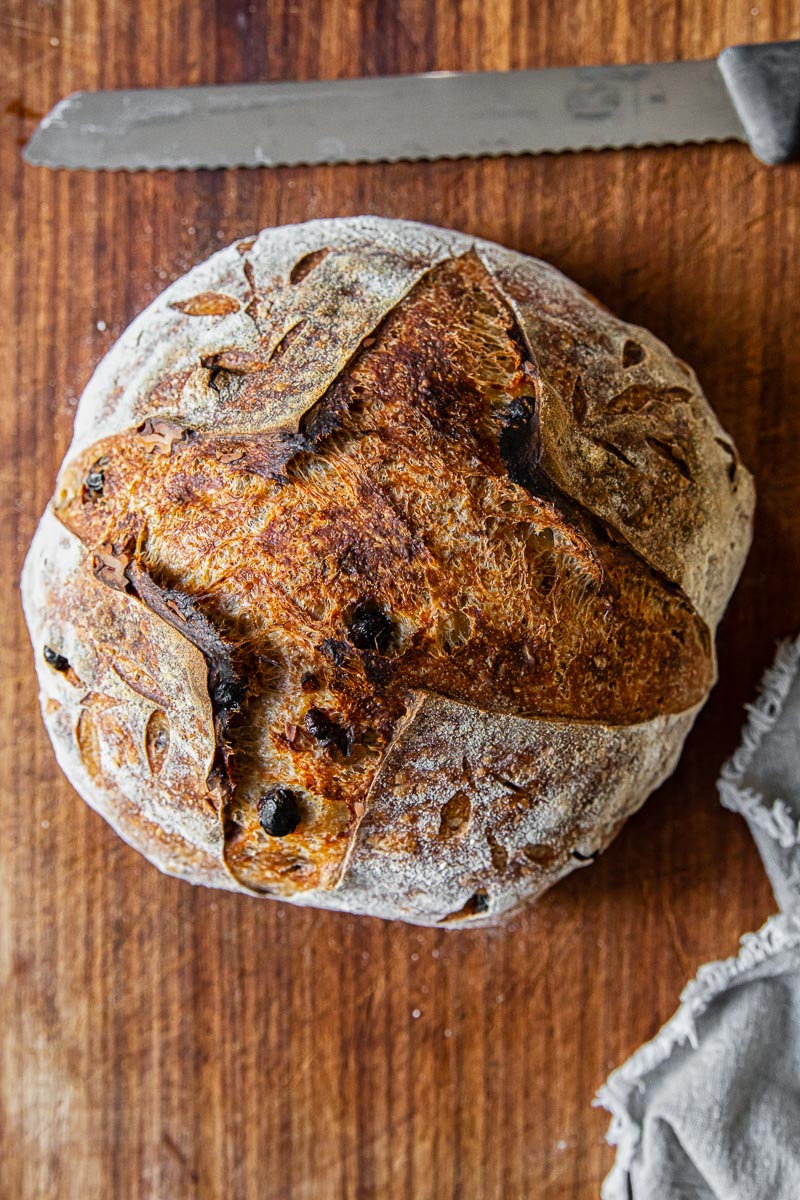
(401, 525)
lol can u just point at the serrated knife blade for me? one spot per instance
(438, 115)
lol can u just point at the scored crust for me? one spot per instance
(402, 525)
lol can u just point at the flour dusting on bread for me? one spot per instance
(386, 565)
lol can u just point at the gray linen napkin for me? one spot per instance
(710, 1108)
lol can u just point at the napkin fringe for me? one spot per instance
(776, 819)
(780, 933)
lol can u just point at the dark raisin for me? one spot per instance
(479, 903)
(378, 670)
(326, 730)
(319, 725)
(55, 660)
(228, 693)
(310, 682)
(520, 442)
(585, 857)
(279, 811)
(370, 628)
(95, 480)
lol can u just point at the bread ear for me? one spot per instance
(629, 435)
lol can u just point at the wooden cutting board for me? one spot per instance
(160, 1041)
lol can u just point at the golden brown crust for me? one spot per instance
(365, 523)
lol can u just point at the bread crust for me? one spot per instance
(432, 789)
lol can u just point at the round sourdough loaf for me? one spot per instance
(382, 573)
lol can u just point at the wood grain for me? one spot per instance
(160, 1041)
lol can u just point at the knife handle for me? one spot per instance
(764, 85)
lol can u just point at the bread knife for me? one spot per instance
(749, 93)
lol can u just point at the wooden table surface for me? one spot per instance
(160, 1041)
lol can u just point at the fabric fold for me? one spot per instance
(710, 1108)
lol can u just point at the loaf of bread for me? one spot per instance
(382, 573)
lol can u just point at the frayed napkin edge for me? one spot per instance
(780, 933)
(773, 819)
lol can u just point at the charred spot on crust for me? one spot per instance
(520, 443)
(228, 693)
(353, 561)
(55, 660)
(521, 447)
(279, 812)
(445, 403)
(328, 732)
(326, 416)
(370, 627)
(379, 671)
(336, 651)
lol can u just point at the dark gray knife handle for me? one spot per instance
(764, 84)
